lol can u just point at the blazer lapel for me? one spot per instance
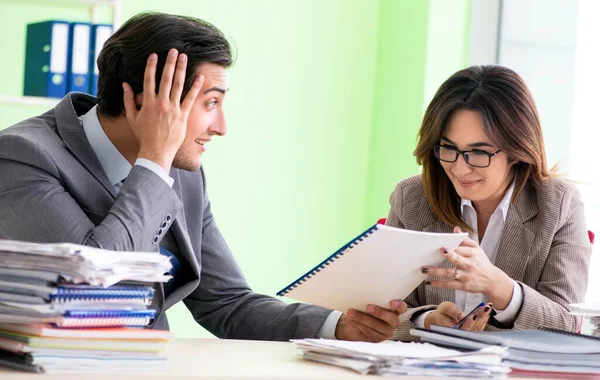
(516, 241)
(70, 130)
(186, 249)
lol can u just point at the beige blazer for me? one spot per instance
(544, 247)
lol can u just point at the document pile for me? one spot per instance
(70, 308)
(530, 351)
(397, 358)
(591, 312)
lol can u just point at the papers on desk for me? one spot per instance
(80, 264)
(398, 358)
(538, 351)
(70, 308)
(590, 311)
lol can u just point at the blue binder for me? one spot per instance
(78, 63)
(100, 33)
(46, 59)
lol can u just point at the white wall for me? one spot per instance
(585, 131)
(538, 40)
(555, 46)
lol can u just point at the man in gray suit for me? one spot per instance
(123, 172)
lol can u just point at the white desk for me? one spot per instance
(219, 359)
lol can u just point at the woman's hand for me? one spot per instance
(448, 314)
(474, 273)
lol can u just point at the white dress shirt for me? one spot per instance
(491, 240)
(117, 168)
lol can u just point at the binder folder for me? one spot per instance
(46, 59)
(100, 33)
(78, 63)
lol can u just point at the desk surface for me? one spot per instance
(218, 359)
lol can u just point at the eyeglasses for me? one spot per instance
(476, 158)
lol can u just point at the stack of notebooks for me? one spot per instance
(70, 308)
(591, 312)
(536, 352)
(397, 358)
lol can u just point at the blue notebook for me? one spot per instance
(380, 265)
(106, 318)
(65, 294)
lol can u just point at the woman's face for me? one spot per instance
(465, 132)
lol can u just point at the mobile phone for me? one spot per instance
(474, 311)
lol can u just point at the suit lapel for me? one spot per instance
(516, 241)
(70, 130)
(179, 228)
(184, 244)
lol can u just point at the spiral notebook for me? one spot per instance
(380, 265)
(66, 294)
(106, 318)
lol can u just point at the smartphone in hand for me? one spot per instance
(472, 312)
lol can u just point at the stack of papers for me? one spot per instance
(591, 311)
(81, 264)
(39, 348)
(70, 308)
(533, 351)
(398, 358)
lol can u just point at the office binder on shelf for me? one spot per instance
(100, 33)
(78, 61)
(380, 265)
(46, 59)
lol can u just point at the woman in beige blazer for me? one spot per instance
(485, 172)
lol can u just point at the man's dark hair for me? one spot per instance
(124, 55)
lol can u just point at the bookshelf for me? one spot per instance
(95, 7)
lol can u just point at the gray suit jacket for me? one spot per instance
(53, 189)
(544, 247)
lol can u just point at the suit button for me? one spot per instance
(164, 224)
(160, 232)
(155, 239)
(168, 218)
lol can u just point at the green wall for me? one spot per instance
(326, 98)
(397, 99)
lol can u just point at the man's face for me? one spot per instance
(206, 118)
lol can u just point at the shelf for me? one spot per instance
(94, 8)
(28, 100)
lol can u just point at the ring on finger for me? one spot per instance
(456, 274)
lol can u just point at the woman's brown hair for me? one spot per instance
(510, 119)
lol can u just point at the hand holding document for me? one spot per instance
(380, 265)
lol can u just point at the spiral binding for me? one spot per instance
(106, 318)
(65, 292)
(337, 254)
(563, 332)
(102, 300)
